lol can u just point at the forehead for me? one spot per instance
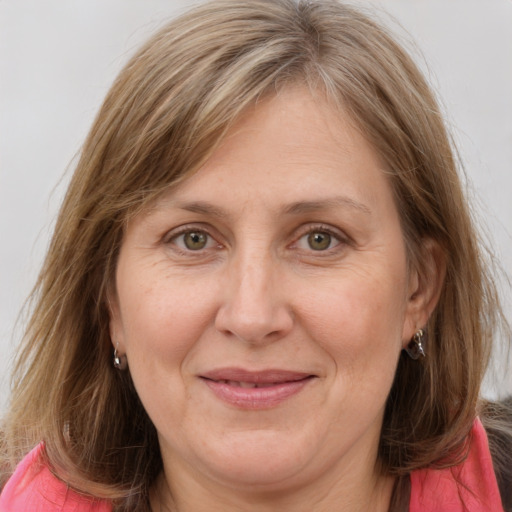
(292, 145)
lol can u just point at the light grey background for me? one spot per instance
(59, 57)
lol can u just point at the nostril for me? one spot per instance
(253, 328)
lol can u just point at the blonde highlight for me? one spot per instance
(164, 115)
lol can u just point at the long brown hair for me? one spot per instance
(164, 115)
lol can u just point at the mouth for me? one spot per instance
(248, 385)
(255, 390)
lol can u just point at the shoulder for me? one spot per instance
(471, 485)
(497, 420)
(34, 488)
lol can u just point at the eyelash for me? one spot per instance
(321, 228)
(335, 235)
(173, 236)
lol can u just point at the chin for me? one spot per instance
(266, 461)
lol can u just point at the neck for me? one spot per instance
(351, 495)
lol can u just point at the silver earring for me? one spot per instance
(120, 361)
(415, 348)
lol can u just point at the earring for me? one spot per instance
(120, 361)
(415, 347)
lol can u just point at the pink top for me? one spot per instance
(469, 487)
(34, 488)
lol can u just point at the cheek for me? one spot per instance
(363, 308)
(358, 322)
(161, 325)
(162, 318)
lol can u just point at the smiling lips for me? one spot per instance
(255, 390)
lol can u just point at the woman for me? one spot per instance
(264, 290)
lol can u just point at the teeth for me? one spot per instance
(248, 385)
(243, 384)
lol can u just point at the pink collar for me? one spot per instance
(468, 487)
(34, 487)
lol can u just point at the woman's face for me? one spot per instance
(263, 303)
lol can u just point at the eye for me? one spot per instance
(193, 240)
(318, 240)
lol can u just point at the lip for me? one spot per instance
(255, 389)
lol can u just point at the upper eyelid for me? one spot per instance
(300, 231)
(185, 228)
(170, 240)
(321, 227)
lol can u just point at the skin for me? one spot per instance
(257, 291)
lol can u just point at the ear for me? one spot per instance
(426, 279)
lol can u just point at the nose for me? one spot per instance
(254, 308)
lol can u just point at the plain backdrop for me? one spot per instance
(59, 57)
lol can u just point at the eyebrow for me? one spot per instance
(325, 204)
(203, 209)
(296, 208)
